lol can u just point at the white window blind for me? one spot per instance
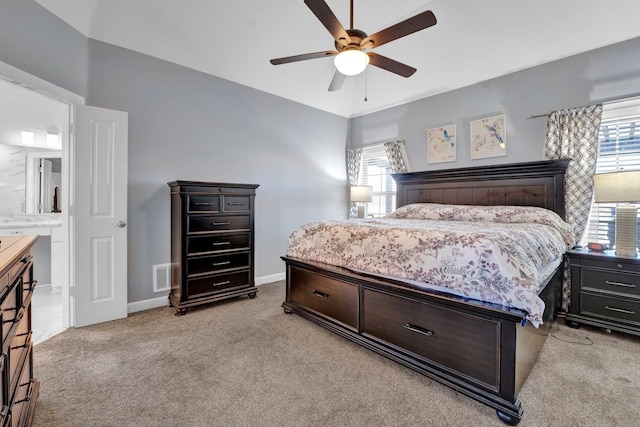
(376, 172)
(618, 149)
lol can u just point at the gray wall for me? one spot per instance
(604, 74)
(36, 41)
(187, 125)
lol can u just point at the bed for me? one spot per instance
(482, 349)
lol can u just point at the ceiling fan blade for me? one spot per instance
(408, 26)
(303, 57)
(390, 65)
(329, 20)
(337, 81)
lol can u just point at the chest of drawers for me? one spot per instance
(605, 291)
(19, 389)
(212, 242)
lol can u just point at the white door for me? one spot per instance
(99, 283)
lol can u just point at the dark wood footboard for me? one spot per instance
(479, 349)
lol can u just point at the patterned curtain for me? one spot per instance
(573, 134)
(397, 155)
(354, 157)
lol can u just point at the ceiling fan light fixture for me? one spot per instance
(351, 62)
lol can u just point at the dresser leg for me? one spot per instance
(287, 311)
(180, 312)
(507, 419)
(252, 295)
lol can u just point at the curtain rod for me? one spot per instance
(538, 115)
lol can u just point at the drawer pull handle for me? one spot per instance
(33, 284)
(215, 264)
(620, 310)
(625, 285)
(203, 203)
(221, 243)
(221, 283)
(619, 266)
(320, 294)
(235, 203)
(220, 223)
(418, 329)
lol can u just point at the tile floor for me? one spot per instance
(46, 314)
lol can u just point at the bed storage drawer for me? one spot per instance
(467, 344)
(332, 298)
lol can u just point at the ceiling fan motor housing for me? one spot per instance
(356, 38)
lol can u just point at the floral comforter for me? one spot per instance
(496, 254)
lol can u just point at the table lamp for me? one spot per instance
(361, 194)
(621, 187)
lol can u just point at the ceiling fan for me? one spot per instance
(352, 45)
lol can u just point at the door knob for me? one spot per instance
(122, 224)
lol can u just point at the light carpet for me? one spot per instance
(243, 362)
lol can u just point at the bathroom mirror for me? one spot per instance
(30, 180)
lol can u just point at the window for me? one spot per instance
(376, 172)
(618, 149)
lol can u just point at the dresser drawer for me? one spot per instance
(216, 283)
(9, 310)
(332, 298)
(610, 307)
(218, 242)
(20, 345)
(237, 203)
(466, 343)
(608, 280)
(209, 224)
(217, 263)
(203, 203)
(23, 394)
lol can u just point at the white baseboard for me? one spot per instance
(147, 304)
(162, 301)
(270, 278)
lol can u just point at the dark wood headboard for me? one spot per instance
(518, 184)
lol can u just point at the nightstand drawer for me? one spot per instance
(611, 281)
(619, 309)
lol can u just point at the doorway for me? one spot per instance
(51, 301)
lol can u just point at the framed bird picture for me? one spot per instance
(441, 144)
(489, 137)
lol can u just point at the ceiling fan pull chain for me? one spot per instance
(366, 73)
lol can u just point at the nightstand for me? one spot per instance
(605, 290)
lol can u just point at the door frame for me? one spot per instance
(43, 87)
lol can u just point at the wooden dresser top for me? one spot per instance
(10, 249)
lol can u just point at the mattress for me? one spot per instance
(497, 254)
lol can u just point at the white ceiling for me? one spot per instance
(473, 41)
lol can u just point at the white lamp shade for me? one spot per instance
(615, 187)
(351, 62)
(361, 193)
